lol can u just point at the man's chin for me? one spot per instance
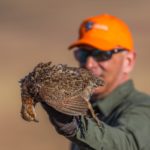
(98, 90)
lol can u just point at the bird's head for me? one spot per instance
(28, 110)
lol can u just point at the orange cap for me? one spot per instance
(104, 32)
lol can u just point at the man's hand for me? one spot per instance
(64, 124)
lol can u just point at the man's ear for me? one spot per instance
(129, 62)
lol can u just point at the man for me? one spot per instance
(105, 47)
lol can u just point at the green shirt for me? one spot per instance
(125, 122)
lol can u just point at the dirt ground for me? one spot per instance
(41, 30)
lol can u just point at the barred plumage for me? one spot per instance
(66, 89)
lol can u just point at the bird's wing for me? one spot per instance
(74, 106)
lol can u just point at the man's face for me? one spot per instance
(113, 71)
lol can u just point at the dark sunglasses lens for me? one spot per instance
(81, 55)
(101, 56)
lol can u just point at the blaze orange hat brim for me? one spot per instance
(99, 44)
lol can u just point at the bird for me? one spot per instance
(66, 89)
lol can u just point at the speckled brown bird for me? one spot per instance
(66, 89)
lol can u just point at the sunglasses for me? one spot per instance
(82, 54)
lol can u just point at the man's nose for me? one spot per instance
(91, 63)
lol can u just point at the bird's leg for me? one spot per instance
(92, 112)
(28, 110)
(86, 98)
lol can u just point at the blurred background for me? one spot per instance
(39, 31)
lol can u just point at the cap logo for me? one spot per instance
(91, 25)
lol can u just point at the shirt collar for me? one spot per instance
(115, 98)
